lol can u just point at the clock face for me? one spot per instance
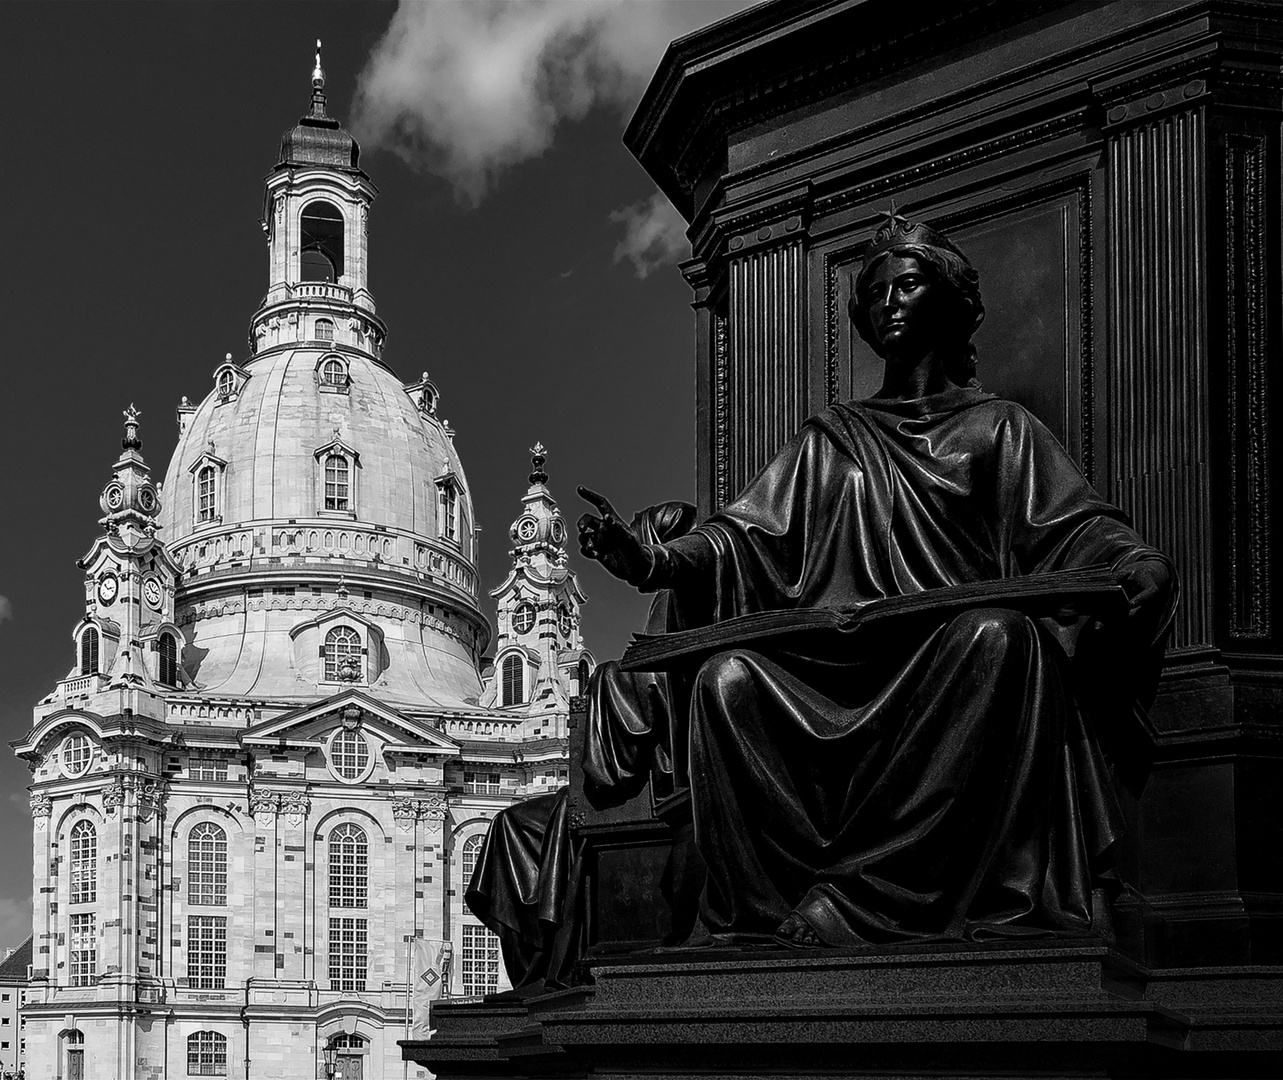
(523, 618)
(108, 586)
(115, 497)
(151, 592)
(147, 500)
(526, 528)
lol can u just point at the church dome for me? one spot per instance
(270, 429)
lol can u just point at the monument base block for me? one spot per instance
(1059, 1009)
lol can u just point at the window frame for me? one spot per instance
(471, 965)
(82, 948)
(347, 878)
(206, 951)
(450, 511)
(82, 879)
(91, 665)
(65, 750)
(214, 1044)
(206, 864)
(512, 680)
(167, 662)
(349, 957)
(334, 652)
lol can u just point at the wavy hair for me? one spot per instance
(967, 311)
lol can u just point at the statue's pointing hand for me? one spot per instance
(608, 540)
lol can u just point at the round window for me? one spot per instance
(523, 618)
(77, 754)
(526, 528)
(558, 530)
(349, 755)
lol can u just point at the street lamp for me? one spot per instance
(329, 1054)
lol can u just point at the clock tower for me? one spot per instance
(128, 637)
(540, 660)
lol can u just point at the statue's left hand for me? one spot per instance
(1147, 583)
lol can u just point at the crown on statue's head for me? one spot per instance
(898, 231)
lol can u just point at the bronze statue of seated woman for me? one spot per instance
(948, 780)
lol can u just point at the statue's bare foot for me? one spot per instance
(797, 933)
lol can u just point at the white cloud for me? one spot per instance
(467, 90)
(6, 609)
(654, 234)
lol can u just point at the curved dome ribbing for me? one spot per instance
(269, 433)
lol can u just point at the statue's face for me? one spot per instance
(906, 308)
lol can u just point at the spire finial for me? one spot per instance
(131, 441)
(318, 84)
(538, 455)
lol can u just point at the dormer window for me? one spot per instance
(228, 380)
(342, 655)
(332, 374)
(336, 476)
(324, 330)
(206, 494)
(89, 651)
(448, 509)
(207, 480)
(225, 384)
(513, 681)
(337, 483)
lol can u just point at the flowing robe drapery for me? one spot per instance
(943, 784)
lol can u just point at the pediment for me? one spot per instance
(307, 726)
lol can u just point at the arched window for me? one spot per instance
(89, 651)
(225, 383)
(168, 649)
(523, 619)
(206, 1054)
(346, 1041)
(84, 863)
(334, 372)
(342, 655)
(512, 681)
(349, 755)
(349, 867)
(349, 880)
(322, 243)
(324, 330)
(207, 865)
(468, 862)
(337, 485)
(206, 502)
(584, 675)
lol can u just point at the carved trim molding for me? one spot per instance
(1247, 395)
(721, 408)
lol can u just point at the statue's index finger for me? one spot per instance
(599, 501)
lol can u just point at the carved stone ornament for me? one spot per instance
(407, 810)
(264, 805)
(295, 805)
(112, 796)
(351, 716)
(41, 809)
(150, 797)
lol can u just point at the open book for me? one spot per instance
(1065, 594)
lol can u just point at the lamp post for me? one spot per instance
(328, 1054)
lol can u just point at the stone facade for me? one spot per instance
(274, 758)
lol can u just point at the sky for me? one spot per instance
(518, 254)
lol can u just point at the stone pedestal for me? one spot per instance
(1060, 1009)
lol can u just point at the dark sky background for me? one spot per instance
(136, 139)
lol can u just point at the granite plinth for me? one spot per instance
(1066, 1009)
